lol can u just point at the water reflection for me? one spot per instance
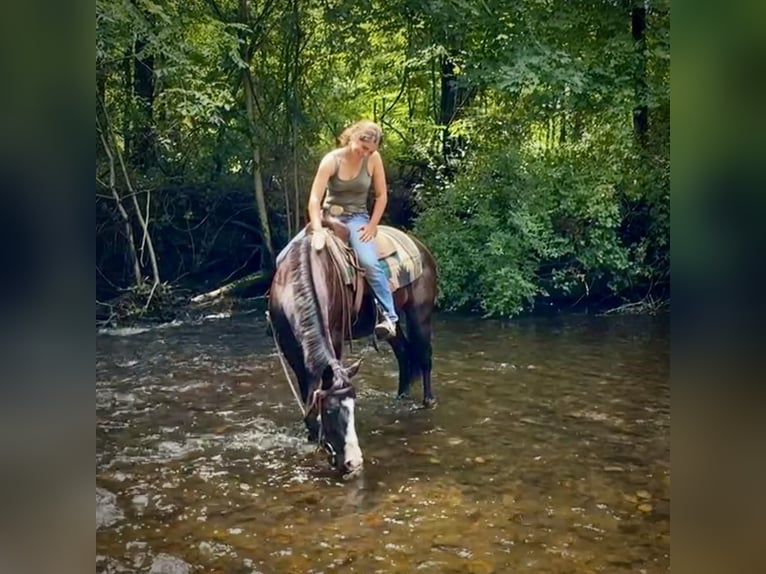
(548, 451)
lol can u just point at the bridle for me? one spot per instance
(317, 399)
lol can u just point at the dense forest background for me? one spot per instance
(527, 143)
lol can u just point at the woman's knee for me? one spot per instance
(368, 263)
(367, 255)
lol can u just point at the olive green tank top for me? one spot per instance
(351, 194)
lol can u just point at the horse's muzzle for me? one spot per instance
(352, 471)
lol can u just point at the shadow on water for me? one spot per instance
(548, 452)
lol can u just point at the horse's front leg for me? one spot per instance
(311, 418)
(312, 426)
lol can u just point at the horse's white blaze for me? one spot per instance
(352, 455)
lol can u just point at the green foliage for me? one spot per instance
(509, 233)
(535, 189)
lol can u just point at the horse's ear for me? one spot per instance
(354, 368)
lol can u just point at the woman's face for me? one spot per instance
(363, 148)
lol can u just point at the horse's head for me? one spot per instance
(338, 430)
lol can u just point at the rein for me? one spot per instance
(341, 254)
(284, 366)
(316, 397)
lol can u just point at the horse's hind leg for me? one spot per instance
(419, 321)
(428, 397)
(398, 344)
(425, 366)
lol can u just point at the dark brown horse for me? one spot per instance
(312, 311)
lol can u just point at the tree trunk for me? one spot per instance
(640, 111)
(453, 98)
(296, 185)
(447, 101)
(260, 199)
(246, 50)
(449, 91)
(111, 148)
(143, 90)
(137, 276)
(294, 114)
(128, 139)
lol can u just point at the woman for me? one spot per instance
(341, 185)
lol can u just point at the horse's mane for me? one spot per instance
(313, 333)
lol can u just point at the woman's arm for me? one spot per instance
(368, 232)
(324, 173)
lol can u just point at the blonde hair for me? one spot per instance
(363, 130)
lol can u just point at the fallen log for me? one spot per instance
(235, 288)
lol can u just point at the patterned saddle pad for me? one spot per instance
(398, 257)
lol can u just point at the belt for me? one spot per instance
(335, 210)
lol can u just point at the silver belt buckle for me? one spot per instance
(336, 210)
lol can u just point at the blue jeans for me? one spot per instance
(368, 259)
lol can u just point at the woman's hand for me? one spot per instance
(368, 232)
(318, 239)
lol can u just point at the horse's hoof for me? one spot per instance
(403, 396)
(429, 403)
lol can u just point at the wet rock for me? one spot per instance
(430, 565)
(479, 460)
(167, 564)
(474, 514)
(310, 498)
(643, 494)
(480, 567)
(645, 507)
(629, 527)
(449, 540)
(107, 511)
(662, 509)
(108, 565)
(508, 500)
(215, 549)
(140, 501)
(373, 520)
